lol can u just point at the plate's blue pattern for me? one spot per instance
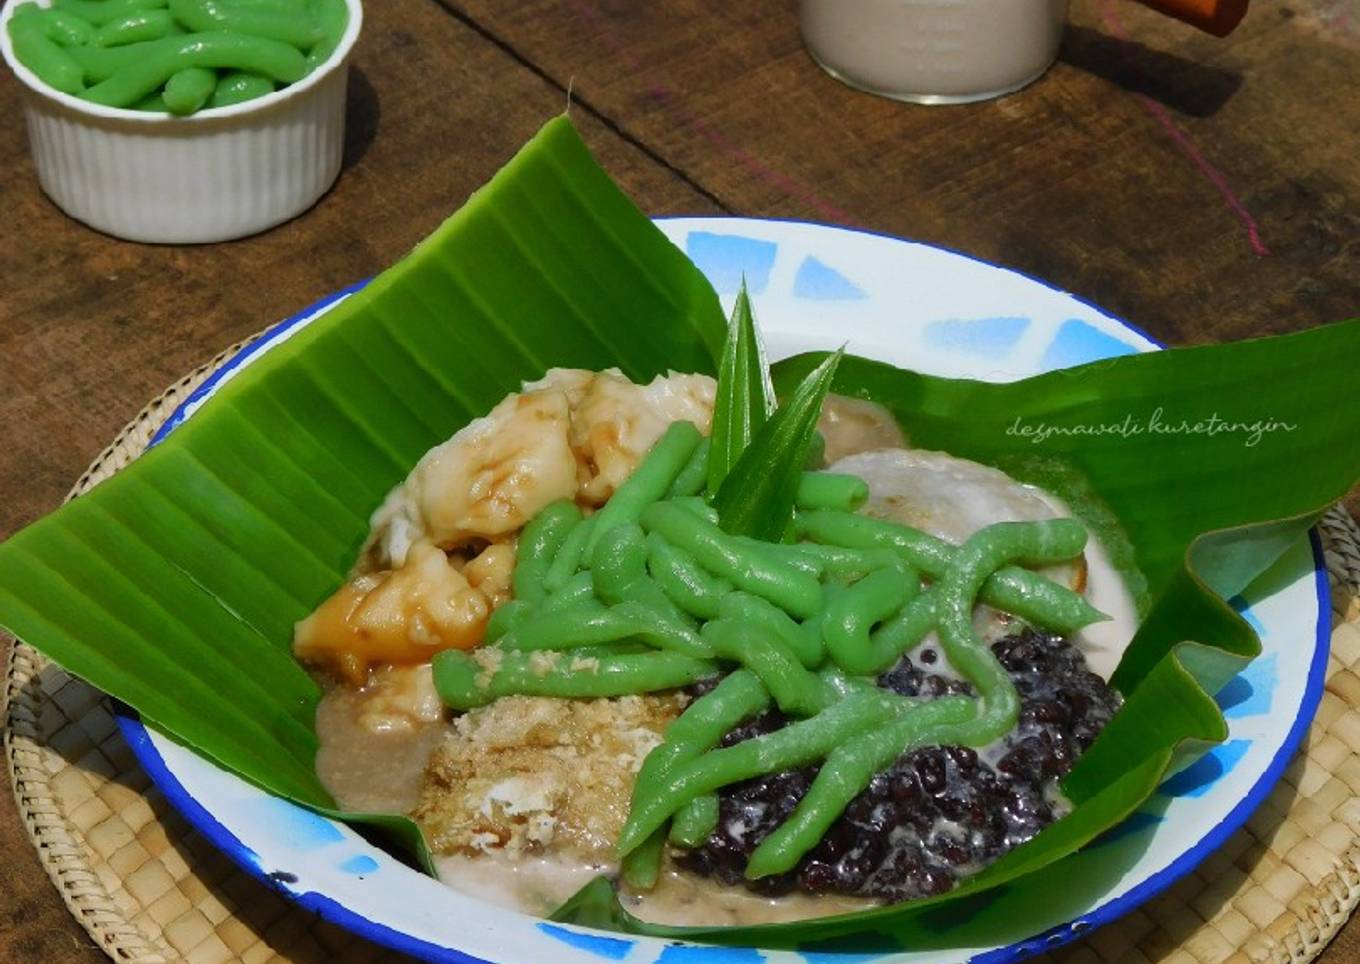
(1078, 342)
(911, 305)
(608, 948)
(728, 258)
(989, 338)
(1249, 693)
(818, 282)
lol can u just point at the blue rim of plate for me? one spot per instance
(150, 759)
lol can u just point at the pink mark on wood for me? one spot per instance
(1162, 116)
(666, 97)
(1336, 19)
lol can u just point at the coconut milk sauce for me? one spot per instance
(367, 771)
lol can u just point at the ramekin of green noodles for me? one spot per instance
(248, 95)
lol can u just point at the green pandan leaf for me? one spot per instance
(756, 498)
(175, 584)
(745, 397)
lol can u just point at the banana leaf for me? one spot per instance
(174, 585)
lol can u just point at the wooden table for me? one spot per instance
(1206, 190)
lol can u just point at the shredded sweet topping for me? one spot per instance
(527, 773)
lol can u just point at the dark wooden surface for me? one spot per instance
(1205, 190)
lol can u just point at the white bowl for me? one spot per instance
(212, 176)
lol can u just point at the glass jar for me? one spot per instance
(934, 51)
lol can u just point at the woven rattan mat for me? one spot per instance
(148, 888)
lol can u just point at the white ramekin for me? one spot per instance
(212, 176)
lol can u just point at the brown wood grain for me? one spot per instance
(1128, 175)
(1076, 180)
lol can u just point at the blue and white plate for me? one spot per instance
(918, 307)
